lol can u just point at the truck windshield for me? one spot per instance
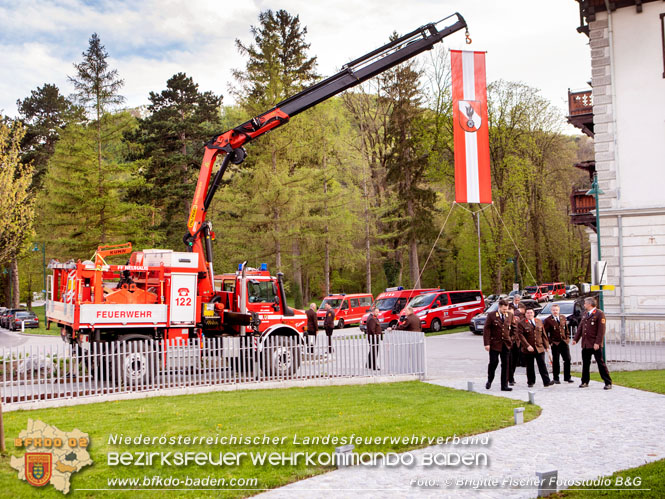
(334, 303)
(422, 300)
(260, 291)
(385, 303)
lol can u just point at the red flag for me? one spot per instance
(472, 149)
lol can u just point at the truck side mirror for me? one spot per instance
(275, 304)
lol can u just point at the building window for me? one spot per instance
(662, 35)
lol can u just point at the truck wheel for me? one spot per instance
(281, 356)
(435, 325)
(340, 324)
(136, 361)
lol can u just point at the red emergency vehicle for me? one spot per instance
(349, 309)
(555, 289)
(447, 308)
(538, 293)
(391, 303)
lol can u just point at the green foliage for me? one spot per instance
(82, 207)
(169, 141)
(16, 203)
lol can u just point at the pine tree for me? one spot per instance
(96, 87)
(45, 112)
(181, 119)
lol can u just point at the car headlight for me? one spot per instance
(382, 319)
(423, 313)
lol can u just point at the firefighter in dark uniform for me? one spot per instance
(592, 332)
(533, 342)
(329, 325)
(374, 333)
(497, 339)
(557, 334)
(518, 314)
(312, 327)
(411, 321)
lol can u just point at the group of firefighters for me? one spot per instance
(512, 331)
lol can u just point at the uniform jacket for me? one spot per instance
(329, 321)
(497, 332)
(591, 329)
(517, 316)
(373, 326)
(411, 323)
(312, 326)
(556, 331)
(532, 336)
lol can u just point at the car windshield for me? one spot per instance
(334, 303)
(531, 289)
(565, 308)
(493, 307)
(385, 303)
(422, 300)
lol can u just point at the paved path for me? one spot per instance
(582, 433)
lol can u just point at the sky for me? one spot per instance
(532, 41)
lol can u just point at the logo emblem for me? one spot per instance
(37, 468)
(469, 115)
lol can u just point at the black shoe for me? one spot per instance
(488, 385)
(607, 387)
(569, 380)
(584, 385)
(556, 382)
(511, 383)
(529, 385)
(506, 389)
(548, 384)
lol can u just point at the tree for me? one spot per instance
(181, 119)
(44, 112)
(96, 87)
(16, 205)
(75, 214)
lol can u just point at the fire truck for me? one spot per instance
(167, 295)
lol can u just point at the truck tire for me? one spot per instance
(340, 324)
(281, 356)
(136, 361)
(435, 325)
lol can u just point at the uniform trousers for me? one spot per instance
(561, 350)
(495, 355)
(587, 353)
(542, 367)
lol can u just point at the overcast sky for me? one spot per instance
(532, 41)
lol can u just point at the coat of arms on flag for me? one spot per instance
(470, 128)
(469, 116)
(37, 468)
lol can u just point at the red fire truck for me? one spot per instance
(169, 295)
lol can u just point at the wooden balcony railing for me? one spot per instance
(581, 202)
(580, 103)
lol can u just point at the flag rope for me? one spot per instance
(515, 244)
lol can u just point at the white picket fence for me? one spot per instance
(32, 373)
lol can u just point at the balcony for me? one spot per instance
(580, 111)
(583, 208)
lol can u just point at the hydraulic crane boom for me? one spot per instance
(232, 141)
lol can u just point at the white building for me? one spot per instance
(627, 122)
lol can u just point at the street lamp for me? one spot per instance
(595, 191)
(43, 248)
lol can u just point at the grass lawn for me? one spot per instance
(397, 409)
(450, 330)
(651, 476)
(650, 381)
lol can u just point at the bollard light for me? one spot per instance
(547, 482)
(532, 398)
(518, 413)
(343, 455)
(469, 386)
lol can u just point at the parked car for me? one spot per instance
(492, 298)
(538, 293)
(478, 322)
(348, 309)
(571, 309)
(572, 291)
(4, 317)
(555, 290)
(390, 303)
(447, 308)
(29, 320)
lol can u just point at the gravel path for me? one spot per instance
(581, 433)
